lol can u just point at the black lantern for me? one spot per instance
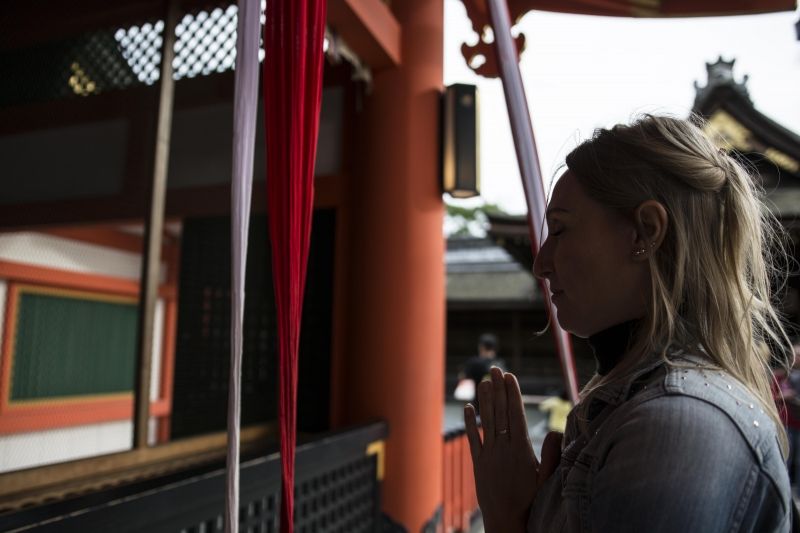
(460, 137)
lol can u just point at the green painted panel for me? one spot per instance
(67, 346)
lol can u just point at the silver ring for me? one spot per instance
(502, 431)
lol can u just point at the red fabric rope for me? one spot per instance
(292, 81)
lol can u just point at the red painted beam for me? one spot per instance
(369, 28)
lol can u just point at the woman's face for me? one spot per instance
(588, 261)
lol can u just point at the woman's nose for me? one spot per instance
(541, 265)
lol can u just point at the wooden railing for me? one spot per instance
(460, 501)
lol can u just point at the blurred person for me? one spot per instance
(477, 367)
(557, 409)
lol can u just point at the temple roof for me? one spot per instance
(734, 124)
(481, 272)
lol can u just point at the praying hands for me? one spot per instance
(507, 473)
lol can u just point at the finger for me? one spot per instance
(518, 425)
(551, 455)
(473, 435)
(500, 402)
(487, 411)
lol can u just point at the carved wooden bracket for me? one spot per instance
(482, 57)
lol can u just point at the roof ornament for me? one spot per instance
(720, 74)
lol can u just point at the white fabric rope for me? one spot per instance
(245, 107)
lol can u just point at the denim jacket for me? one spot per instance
(675, 449)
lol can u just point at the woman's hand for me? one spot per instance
(507, 474)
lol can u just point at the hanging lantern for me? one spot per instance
(460, 142)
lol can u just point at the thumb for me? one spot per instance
(551, 455)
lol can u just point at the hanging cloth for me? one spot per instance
(292, 80)
(245, 110)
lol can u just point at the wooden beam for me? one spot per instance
(369, 28)
(80, 281)
(73, 413)
(154, 232)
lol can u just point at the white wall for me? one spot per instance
(25, 450)
(56, 252)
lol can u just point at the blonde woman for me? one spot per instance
(660, 253)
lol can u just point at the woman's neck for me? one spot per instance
(611, 344)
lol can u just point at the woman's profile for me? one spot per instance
(661, 253)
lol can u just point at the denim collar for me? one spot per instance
(617, 391)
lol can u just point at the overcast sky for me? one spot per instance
(583, 72)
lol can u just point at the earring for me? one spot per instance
(641, 251)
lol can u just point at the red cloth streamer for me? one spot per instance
(292, 80)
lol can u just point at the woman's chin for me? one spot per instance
(570, 326)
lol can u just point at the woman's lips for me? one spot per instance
(556, 294)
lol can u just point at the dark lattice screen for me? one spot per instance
(84, 65)
(206, 42)
(119, 58)
(203, 338)
(343, 499)
(339, 500)
(141, 48)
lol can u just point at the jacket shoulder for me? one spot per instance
(693, 380)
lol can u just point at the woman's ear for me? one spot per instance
(651, 226)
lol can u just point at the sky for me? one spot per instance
(583, 72)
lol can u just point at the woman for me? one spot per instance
(659, 253)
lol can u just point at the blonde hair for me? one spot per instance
(714, 276)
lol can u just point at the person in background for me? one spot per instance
(558, 408)
(477, 367)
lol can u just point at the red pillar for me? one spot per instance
(391, 360)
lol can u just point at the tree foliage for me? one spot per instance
(463, 221)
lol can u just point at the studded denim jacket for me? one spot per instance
(679, 448)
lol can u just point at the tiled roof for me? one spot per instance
(478, 270)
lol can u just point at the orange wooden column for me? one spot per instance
(391, 362)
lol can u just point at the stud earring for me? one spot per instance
(641, 251)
